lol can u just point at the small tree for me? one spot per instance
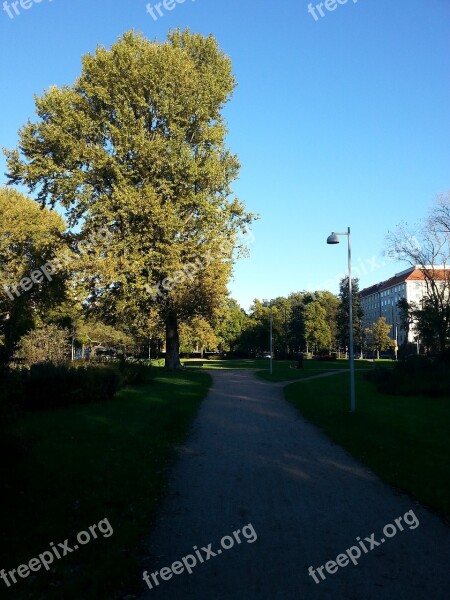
(379, 333)
(317, 330)
(45, 344)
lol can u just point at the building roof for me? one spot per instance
(411, 274)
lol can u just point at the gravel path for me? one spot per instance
(252, 459)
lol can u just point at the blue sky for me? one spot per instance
(338, 122)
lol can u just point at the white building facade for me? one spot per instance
(381, 300)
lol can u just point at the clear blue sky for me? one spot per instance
(338, 122)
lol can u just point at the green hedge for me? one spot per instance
(49, 386)
(418, 375)
(135, 373)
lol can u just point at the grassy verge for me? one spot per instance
(403, 439)
(258, 363)
(86, 463)
(285, 370)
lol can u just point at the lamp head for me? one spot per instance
(332, 239)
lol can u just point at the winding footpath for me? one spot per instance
(252, 459)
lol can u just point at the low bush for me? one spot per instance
(136, 373)
(326, 357)
(48, 386)
(418, 375)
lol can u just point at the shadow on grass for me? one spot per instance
(403, 439)
(91, 462)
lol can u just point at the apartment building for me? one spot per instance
(380, 300)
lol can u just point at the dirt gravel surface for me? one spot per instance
(252, 459)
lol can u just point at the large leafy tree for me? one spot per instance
(317, 330)
(330, 303)
(30, 237)
(137, 144)
(343, 313)
(198, 335)
(230, 325)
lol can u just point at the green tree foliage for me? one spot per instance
(255, 339)
(230, 325)
(317, 330)
(95, 335)
(137, 145)
(427, 246)
(330, 303)
(343, 317)
(427, 321)
(45, 344)
(378, 336)
(198, 335)
(29, 237)
(296, 325)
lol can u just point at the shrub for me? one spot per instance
(418, 375)
(135, 373)
(45, 344)
(48, 386)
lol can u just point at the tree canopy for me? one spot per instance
(30, 237)
(137, 145)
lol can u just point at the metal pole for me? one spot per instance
(351, 350)
(271, 339)
(396, 342)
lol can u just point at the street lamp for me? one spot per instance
(266, 304)
(334, 239)
(271, 338)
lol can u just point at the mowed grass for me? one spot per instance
(405, 440)
(285, 370)
(86, 463)
(244, 363)
(282, 370)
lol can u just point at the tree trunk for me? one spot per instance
(172, 343)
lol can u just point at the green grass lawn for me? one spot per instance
(86, 463)
(258, 363)
(285, 370)
(405, 440)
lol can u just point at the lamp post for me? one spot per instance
(271, 339)
(334, 239)
(269, 304)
